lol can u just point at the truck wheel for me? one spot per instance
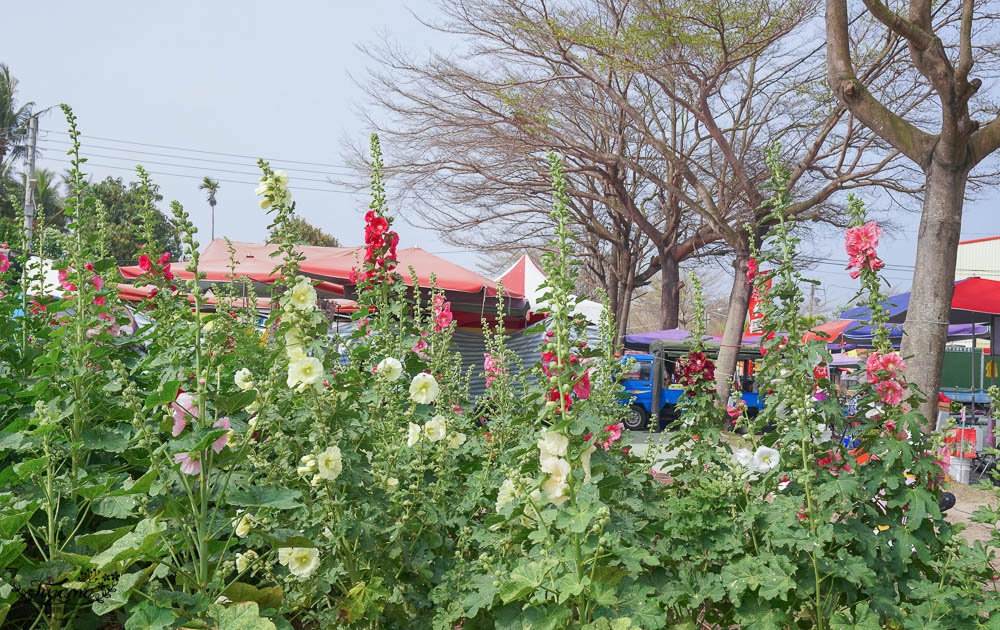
(637, 418)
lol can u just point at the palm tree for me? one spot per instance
(48, 200)
(13, 119)
(212, 187)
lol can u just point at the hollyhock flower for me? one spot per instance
(99, 300)
(243, 379)
(302, 562)
(304, 372)
(505, 495)
(556, 484)
(582, 387)
(764, 460)
(733, 411)
(391, 483)
(553, 444)
(892, 363)
(4, 262)
(436, 428)
(566, 401)
(825, 434)
(302, 297)
(803, 513)
(330, 463)
(413, 434)
(456, 439)
(419, 347)
(424, 389)
(784, 483)
(185, 405)
(615, 434)
(221, 423)
(891, 392)
(63, 282)
(752, 270)
(145, 263)
(189, 465)
(390, 369)
(242, 524)
(585, 461)
(98, 282)
(743, 457)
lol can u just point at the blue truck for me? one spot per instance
(640, 388)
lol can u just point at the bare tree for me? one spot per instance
(706, 87)
(946, 150)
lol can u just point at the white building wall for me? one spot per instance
(978, 259)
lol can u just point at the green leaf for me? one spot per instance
(10, 550)
(525, 578)
(114, 506)
(103, 538)
(103, 439)
(149, 617)
(245, 616)
(135, 544)
(270, 597)
(861, 618)
(237, 402)
(119, 596)
(265, 496)
(25, 469)
(166, 394)
(10, 441)
(139, 486)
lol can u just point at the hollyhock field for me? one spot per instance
(198, 471)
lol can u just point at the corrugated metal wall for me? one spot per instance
(978, 259)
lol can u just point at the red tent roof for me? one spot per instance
(334, 264)
(978, 295)
(828, 331)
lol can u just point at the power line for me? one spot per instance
(202, 151)
(86, 153)
(229, 181)
(182, 157)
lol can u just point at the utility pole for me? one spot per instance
(812, 299)
(30, 181)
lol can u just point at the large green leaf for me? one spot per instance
(245, 616)
(265, 496)
(149, 617)
(166, 394)
(525, 578)
(135, 544)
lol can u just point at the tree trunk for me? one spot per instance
(934, 278)
(626, 309)
(739, 301)
(670, 290)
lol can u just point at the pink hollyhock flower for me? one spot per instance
(185, 405)
(189, 466)
(582, 387)
(733, 411)
(98, 282)
(893, 363)
(66, 284)
(420, 346)
(4, 262)
(145, 263)
(221, 423)
(614, 434)
(752, 270)
(784, 483)
(99, 300)
(803, 513)
(890, 391)
(872, 365)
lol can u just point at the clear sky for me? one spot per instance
(267, 79)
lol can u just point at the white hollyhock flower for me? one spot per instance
(330, 463)
(505, 495)
(392, 483)
(552, 444)
(390, 369)
(244, 380)
(244, 560)
(301, 561)
(585, 461)
(424, 389)
(743, 457)
(764, 460)
(435, 429)
(304, 372)
(413, 434)
(242, 524)
(302, 297)
(293, 343)
(555, 486)
(455, 440)
(825, 434)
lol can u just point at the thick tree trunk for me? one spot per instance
(670, 290)
(739, 301)
(934, 277)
